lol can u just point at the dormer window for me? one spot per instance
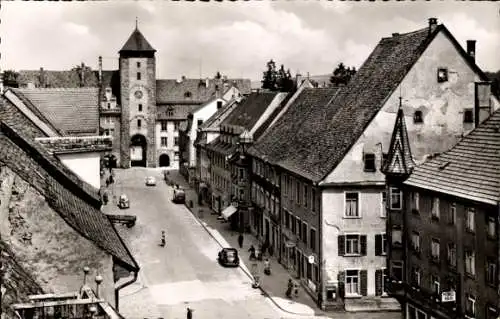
(417, 117)
(187, 94)
(442, 75)
(369, 159)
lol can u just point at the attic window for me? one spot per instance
(369, 162)
(417, 117)
(442, 75)
(187, 94)
(219, 104)
(468, 116)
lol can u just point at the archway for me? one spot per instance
(138, 150)
(164, 160)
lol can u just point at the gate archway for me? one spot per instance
(164, 160)
(138, 150)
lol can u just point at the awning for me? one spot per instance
(228, 211)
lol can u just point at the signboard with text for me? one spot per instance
(448, 296)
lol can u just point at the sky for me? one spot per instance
(196, 39)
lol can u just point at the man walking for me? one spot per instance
(189, 313)
(240, 240)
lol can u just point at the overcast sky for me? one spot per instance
(237, 38)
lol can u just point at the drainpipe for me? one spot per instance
(125, 284)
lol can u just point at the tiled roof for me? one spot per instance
(219, 115)
(279, 142)
(250, 109)
(180, 111)
(73, 111)
(471, 169)
(329, 133)
(59, 79)
(66, 197)
(399, 160)
(137, 42)
(194, 90)
(221, 147)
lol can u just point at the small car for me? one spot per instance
(179, 196)
(150, 181)
(229, 257)
(123, 201)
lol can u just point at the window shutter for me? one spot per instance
(341, 241)
(378, 245)
(364, 282)
(378, 282)
(363, 245)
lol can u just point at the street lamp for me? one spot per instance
(86, 271)
(98, 281)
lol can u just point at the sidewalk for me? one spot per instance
(273, 286)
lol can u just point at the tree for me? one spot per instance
(494, 77)
(218, 76)
(284, 80)
(11, 78)
(270, 76)
(342, 75)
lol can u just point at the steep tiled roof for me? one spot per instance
(336, 128)
(73, 111)
(399, 160)
(219, 115)
(137, 42)
(193, 90)
(66, 197)
(221, 147)
(281, 139)
(471, 169)
(179, 111)
(250, 109)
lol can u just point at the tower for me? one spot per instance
(138, 101)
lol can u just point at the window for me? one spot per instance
(470, 306)
(417, 117)
(109, 105)
(491, 272)
(304, 233)
(381, 277)
(435, 285)
(306, 195)
(415, 241)
(396, 198)
(384, 244)
(219, 104)
(297, 192)
(435, 208)
(313, 201)
(383, 212)
(385, 156)
(163, 125)
(415, 202)
(352, 245)
(312, 239)
(138, 75)
(199, 122)
(187, 94)
(352, 282)
(442, 75)
(164, 141)
(170, 113)
(138, 64)
(139, 107)
(435, 248)
(380, 244)
(470, 220)
(452, 218)
(139, 123)
(470, 263)
(452, 255)
(369, 159)
(176, 141)
(397, 271)
(298, 227)
(468, 116)
(176, 126)
(415, 276)
(176, 155)
(351, 205)
(293, 224)
(492, 227)
(397, 236)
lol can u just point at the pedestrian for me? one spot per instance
(240, 240)
(289, 288)
(252, 252)
(107, 182)
(111, 179)
(189, 313)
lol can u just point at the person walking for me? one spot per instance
(252, 252)
(189, 313)
(240, 240)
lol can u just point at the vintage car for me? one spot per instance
(229, 257)
(123, 201)
(179, 196)
(150, 181)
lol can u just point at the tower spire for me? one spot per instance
(136, 23)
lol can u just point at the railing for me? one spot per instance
(115, 110)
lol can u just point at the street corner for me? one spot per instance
(292, 307)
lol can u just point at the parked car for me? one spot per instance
(123, 201)
(150, 181)
(179, 196)
(229, 257)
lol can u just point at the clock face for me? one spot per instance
(138, 94)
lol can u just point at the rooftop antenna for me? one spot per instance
(136, 23)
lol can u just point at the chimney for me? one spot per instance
(100, 71)
(183, 78)
(41, 78)
(82, 75)
(298, 79)
(432, 25)
(471, 49)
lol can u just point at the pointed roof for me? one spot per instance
(137, 43)
(399, 160)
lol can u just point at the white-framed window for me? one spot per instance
(416, 276)
(470, 262)
(352, 245)
(452, 218)
(397, 270)
(397, 236)
(351, 205)
(163, 126)
(491, 271)
(163, 141)
(176, 141)
(436, 287)
(471, 219)
(470, 306)
(139, 123)
(384, 244)
(385, 278)
(369, 159)
(452, 254)
(435, 208)
(396, 197)
(435, 248)
(176, 126)
(352, 282)
(383, 209)
(415, 201)
(492, 227)
(415, 241)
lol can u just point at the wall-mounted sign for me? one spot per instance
(311, 259)
(448, 296)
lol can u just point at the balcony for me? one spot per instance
(110, 111)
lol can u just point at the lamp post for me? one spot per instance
(86, 271)
(98, 281)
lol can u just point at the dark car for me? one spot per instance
(229, 257)
(179, 196)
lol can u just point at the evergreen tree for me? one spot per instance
(342, 75)
(270, 76)
(11, 78)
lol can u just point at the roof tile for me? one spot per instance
(251, 108)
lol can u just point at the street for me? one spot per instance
(185, 273)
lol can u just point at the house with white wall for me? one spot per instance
(332, 154)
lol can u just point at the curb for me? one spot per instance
(265, 293)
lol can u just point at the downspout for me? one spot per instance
(120, 287)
